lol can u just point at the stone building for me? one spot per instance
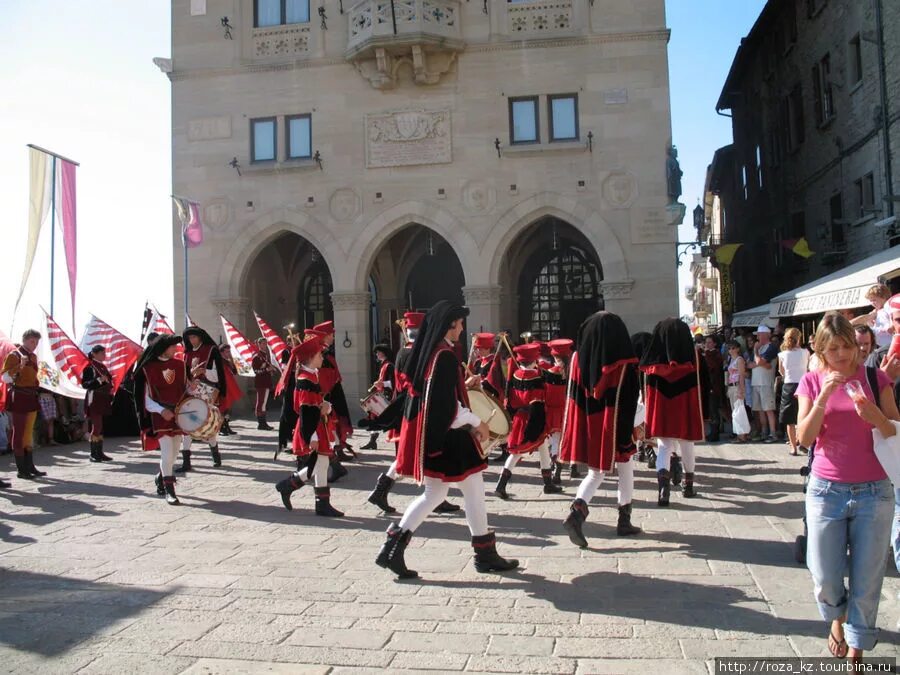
(812, 93)
(354, 159)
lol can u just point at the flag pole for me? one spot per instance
(184, 245)
(52, 229)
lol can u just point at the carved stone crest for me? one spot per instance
(407, 138)
(478, 196)
(344, 204)
(217, 213)
(620, 189)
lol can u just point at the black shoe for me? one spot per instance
(372, 444)
(262, 425)
(160, 490)
(549, 487)
(336, 471)
(687, 490)
(94, 457)
(379, 496)
(557, 472)
(677, 472)
(446, 507)
(169, 485)
(486, 557)
(574, 471)
(641, 453)
(663, 488)
(624, 528)
(323, 504)
(29, 464)
(216, 457)
(651, 458)
(342, 456)
(102, 455)
(287, 487)
(391, 554)
(185, 465)
(4, 484)
(500, 490)
(578, 513)
(22, 467)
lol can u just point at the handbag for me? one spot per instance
(740, 425)
(887, 450)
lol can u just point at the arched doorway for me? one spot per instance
(556, 275)
(289, 282)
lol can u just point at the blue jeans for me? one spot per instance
(895, 534)
(858, 516)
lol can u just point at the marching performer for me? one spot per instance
(203, 363)
(437, 445)
(488, 367)
(20, 374)
(384, 384)
(601, 418)
(334, 393)
(231, 366)
(555, 379)
(262, 380)
(311, 435)
(392, 419)
(160, 381)
(674, 406)
(525, 400)
(288, 419)
(96, 379)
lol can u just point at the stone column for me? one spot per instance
(617, 298)
(484, 305)
(237, 311)
(351, 341)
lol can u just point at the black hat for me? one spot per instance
(156, 349)
(200, 333)
(382, 348)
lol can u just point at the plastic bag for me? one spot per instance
(739, 423)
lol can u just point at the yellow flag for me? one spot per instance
(39, 170)
(801, 248)
(725, 254)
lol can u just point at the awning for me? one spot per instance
(844, 289)
(753, 317)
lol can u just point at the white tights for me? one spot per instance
(543, 455)
(319, 472)
(665, 448)
(168, 450)
(591, 482)
(392, 471)
(554, 444)
(436, 492)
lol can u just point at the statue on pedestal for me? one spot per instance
(673, 175)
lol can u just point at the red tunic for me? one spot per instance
(99, 397)
(262, 370)
(554, 397)
(674, 407)
(308, 399)
(166, 382)
(491, 372)
(525, 399)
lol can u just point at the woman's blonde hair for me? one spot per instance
(878, 291)
(792, 339)
(833, 326)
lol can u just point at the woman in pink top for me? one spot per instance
(849, 500)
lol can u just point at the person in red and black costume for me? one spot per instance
(384, 384)
(392, 419)
(333, 389)
(262, 379)
(556, 378)
(439, 443)
(674, 401)
(602, 417)
(160, 380)
(311, 443)
(288, 419)
(488, 366)
(231, 366)
(526, 402)
(20, 375)
(97, 381)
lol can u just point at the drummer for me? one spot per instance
(384, 385)
(488, 374)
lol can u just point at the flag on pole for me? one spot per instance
(725, 253)
(60, 361)
(191, 227)
(276, 344)
(241, 350)
(6, 346)
(67, 222)
(121, 351)
(799, 246)
(38, 207)
(154, 322)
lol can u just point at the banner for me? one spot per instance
(191, 227)
(154, 322)
(68, 224)
(725, 289)
(242, 351)
(121, 351)
(725, 253)
(276, 344)
(40, 190)
(60, 361)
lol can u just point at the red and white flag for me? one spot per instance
(60, 361)
(276, 344)
(154, 322)
(242, 351)
(121, 351)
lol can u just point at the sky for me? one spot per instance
(78, 79)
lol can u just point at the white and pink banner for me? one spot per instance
(276, 344)
(68, 224)
(121, 351)
(241, 350)
(60, 361)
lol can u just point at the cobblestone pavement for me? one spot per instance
(99, 575)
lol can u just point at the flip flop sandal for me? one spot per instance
(838, 648)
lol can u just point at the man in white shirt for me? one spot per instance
(763, 383)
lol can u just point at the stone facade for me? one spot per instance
(408, 181)
(805, 94)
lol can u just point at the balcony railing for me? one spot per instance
(373, 23)
(289, 40)
(539, 18)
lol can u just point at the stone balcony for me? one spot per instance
(291, 40)
(548, 18)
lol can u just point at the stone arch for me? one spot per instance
(354, 274)
(252, 239)
(597, 231)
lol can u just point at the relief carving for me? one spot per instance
(408, 138)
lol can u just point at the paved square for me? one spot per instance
(99, 575)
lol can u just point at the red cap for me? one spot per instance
(484, 340)
(306, 349)
(893, 303)
(561, 347)
(414, 320)
(327, 327)
(528, 353)
(313, 333)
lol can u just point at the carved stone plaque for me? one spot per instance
(478, 197)
(209, 128)
(620, 189)
(408, 138)
(217, 213)
(344, 204)
(648, 226)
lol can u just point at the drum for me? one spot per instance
(491, 413)
(198, 419)
(203, 391)
(375, 403)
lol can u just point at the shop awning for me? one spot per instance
(844, 289)
(753, 317)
